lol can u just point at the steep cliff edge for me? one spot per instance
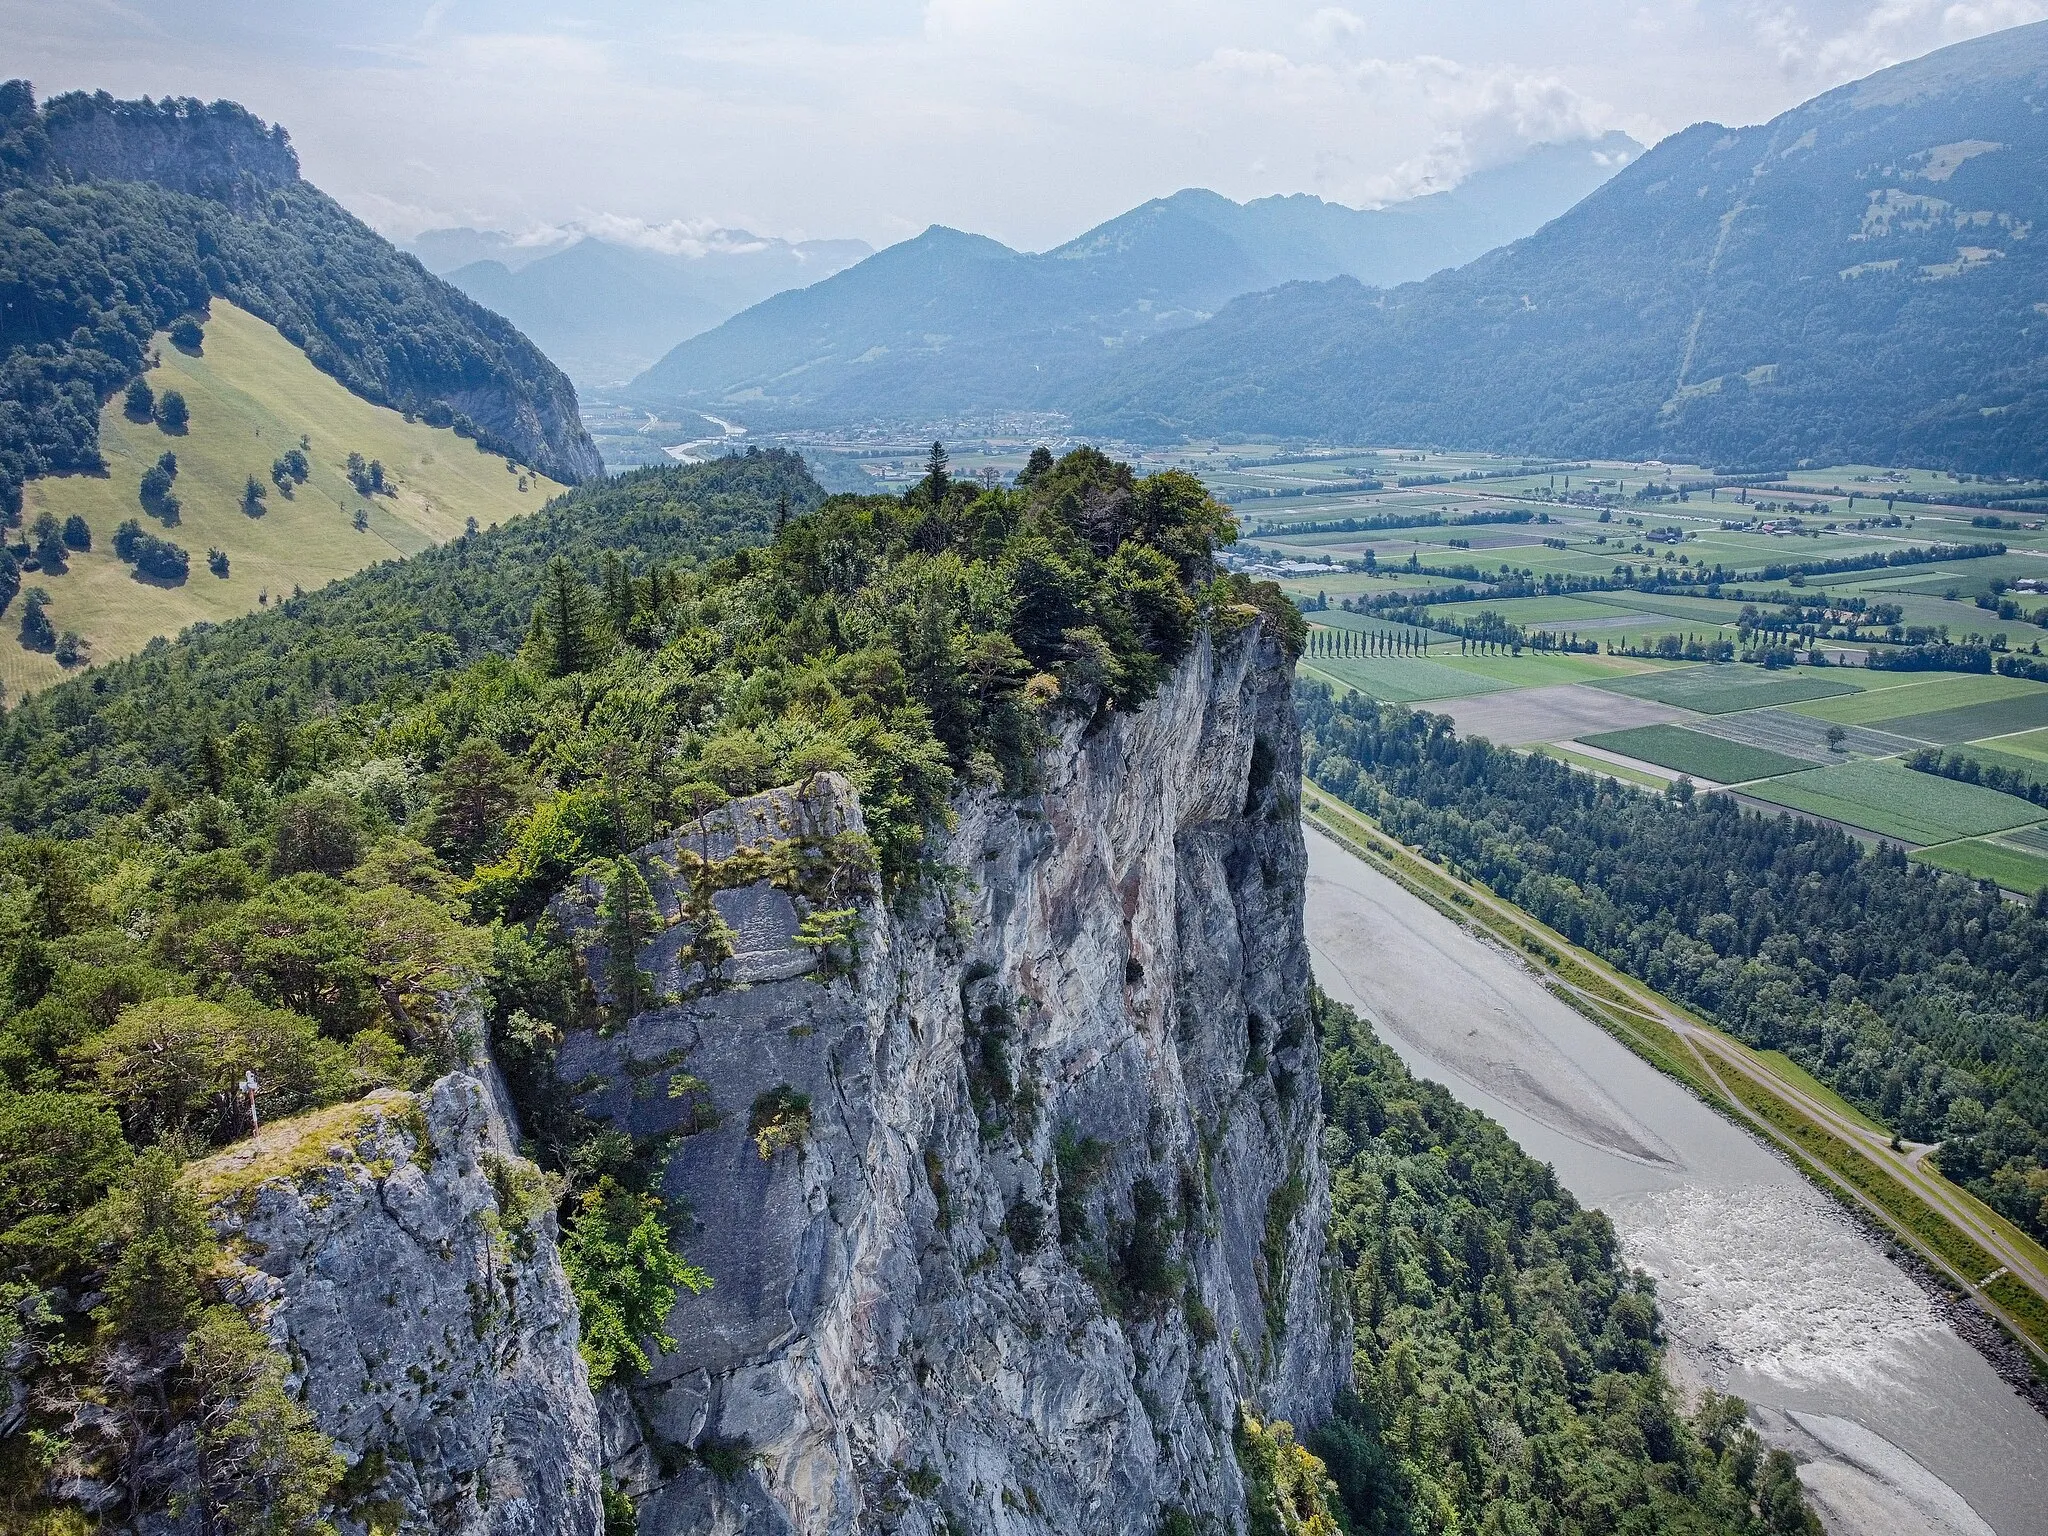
(408, 1274)
(1011, 1202)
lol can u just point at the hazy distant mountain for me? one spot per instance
(1860, 279)
(604, 311)
(441, 251)
(951, 321)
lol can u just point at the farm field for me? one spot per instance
(1719, 689)
(1604, 768)
(1892, 800)
(1973, 722)
(1666, 558)
(1796, 735)
(1399, 679)
(2017, 869)
(1697, 754)
(252, 395)
(1537, 669)
(2030, 744)
(1888, 696)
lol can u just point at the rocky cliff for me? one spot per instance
(1014, 1196)
(408, 1274)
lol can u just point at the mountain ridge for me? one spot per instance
(1849, 282)
(949, 320)
(120, 217)
(604, 311)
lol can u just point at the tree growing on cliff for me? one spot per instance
(626, 1275)
(266, 1469)
(627, 918)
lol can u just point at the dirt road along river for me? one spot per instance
(1768, 1290)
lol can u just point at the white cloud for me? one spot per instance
(1024, 119)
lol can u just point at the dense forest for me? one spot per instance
(1507, 1365)
(349, 829)
(119, 218)
(269, 686)
(1916, 994)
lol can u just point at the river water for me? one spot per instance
(1768, 1291)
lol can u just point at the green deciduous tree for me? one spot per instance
(626, 1276)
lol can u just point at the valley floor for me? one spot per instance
(1767, 1290)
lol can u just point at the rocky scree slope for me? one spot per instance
(1013, 1199)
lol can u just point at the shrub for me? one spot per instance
(138, 403)
(37, 632)
(171, 412)
(155, 558)
(779, 1120)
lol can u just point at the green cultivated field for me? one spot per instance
(1533, 669)
(1601, 768)
(1973, 722)
(251, 395)
(1890, 799)
(2033, 745)
(2014, 868)
(1888, 696)
(1401, 680)
(1718, 690)
(1706, 757)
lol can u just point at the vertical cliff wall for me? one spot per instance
(408, 1274)
(1009, 1208)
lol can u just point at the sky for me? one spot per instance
(657, 121)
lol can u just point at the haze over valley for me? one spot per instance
(704, 829)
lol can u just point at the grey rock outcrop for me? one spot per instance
(1010, 1210)
(409, 1275)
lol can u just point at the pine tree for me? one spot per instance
(936, 478)
(564, 622)
(619, 602)
(627, 917)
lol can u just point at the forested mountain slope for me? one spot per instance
(1859, 280)
(117, 218)
(98, 745)
(952, 321)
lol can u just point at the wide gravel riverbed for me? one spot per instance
(1768, 1291)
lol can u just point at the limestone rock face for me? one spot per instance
(1009, 1206)
(409, 1274)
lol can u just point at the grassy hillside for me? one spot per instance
(252, 395)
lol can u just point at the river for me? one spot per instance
(1768, 1290)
